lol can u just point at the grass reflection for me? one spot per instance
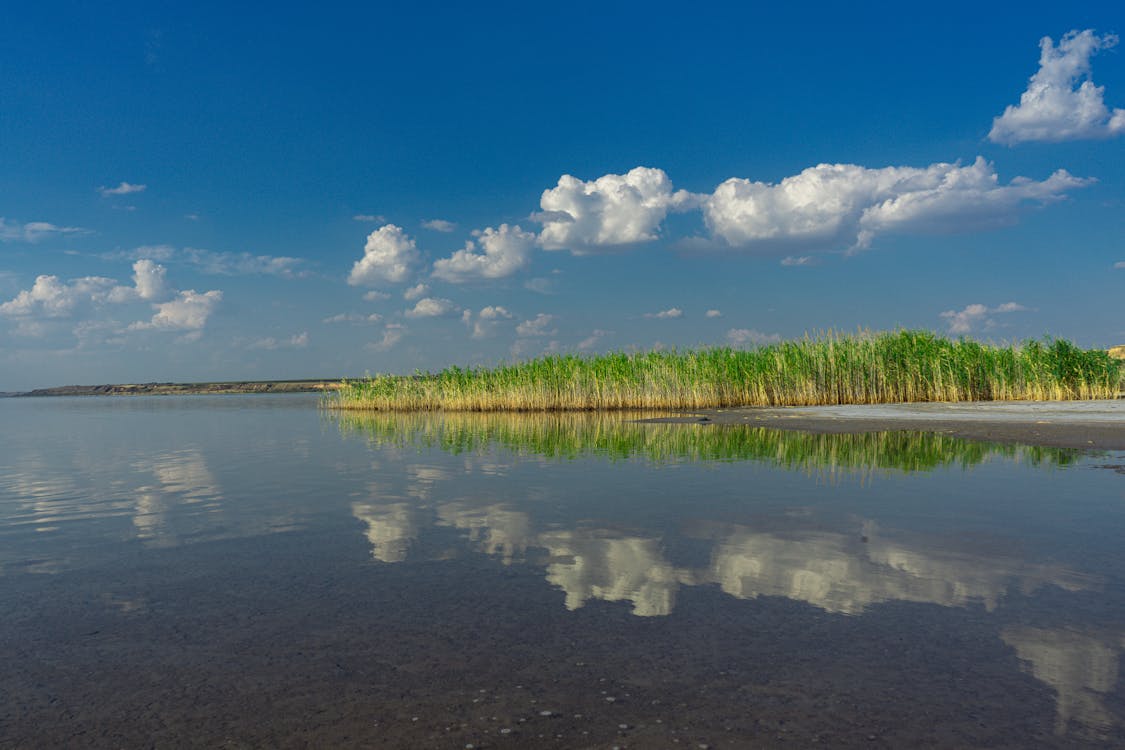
(618, 436)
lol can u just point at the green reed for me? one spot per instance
(902, 366)
(618, 437)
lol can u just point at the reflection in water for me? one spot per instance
(848, 573)
(842, 571)
(390, 528)
(182, 479)
(593, 564)
(619, 436)
(645, 535)
(1081, 668)
(495, 529)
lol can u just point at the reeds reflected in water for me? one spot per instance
(619, 436)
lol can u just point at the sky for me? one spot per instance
(199, 192)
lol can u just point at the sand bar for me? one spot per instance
(1072, 424)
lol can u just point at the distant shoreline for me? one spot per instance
(187, 389)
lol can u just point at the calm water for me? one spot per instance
(250, 571)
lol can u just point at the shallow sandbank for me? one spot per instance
(1069, 424)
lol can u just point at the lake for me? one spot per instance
(250, 571)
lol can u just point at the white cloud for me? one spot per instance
(392, 334)
(358, 318)
(151, 252)
(495, 312)
(540, 285)
(845, 205)
(537, 326)
(486, 320)
(218, 263)
(670, 313)
(244, 264)
(376, 296)
(1061, 103)
(432, 307)
(124, 188)
(591, 341)
(714, 313)
(798, 260)
(1119, 264)
(296, 341)
(372, 218)
(390, 255)
(51, 298)
(415, 292)
(612, 210)
(505, 251)
(746, 337)
(439, 225)
(33, 231)
(189, 311)
(978, 316)
(148, 283)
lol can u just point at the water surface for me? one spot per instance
(251, 571)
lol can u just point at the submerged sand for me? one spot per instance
(1070, 424)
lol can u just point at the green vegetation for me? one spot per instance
(617, 437)
(903, 366)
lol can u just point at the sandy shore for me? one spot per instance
(1069, 424)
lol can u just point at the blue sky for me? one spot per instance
(205, 193)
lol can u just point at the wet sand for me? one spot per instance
(1064, 424)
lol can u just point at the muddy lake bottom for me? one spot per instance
(249, 571)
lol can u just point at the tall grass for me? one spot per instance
(902, 366)
(618, 437)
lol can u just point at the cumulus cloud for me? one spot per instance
(415, 292)
(357, 318)
(432, 307)
(486, 320)
(1061, 103)
(540, 325)
(798, 260)
(124, 188)
(148, 283)
(51, 298)
(439, 225)
(612, 210)
(188, 311)
(390, 255)
(670, 313)
(502, 252)
(748, 337)
(33, 231)
(977, 316)
(1119, 264)
(376, 296)
(714, 313)
(834, 205)
(392, 334)
(592, 341)
(296, 341)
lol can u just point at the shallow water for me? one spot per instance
(249, 571)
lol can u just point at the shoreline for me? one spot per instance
(1095, 425)
(185, 389)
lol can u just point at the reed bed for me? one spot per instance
(617, 437)
(903, 366)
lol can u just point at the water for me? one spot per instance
(250, 571)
